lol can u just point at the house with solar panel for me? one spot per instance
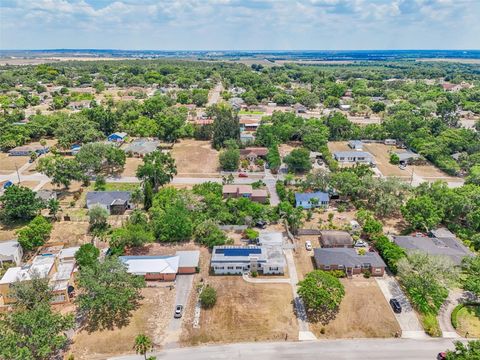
(236, 260)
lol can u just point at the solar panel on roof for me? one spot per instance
(238, 251)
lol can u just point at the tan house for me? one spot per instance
(246, 191)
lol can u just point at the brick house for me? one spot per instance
(246, 191)
(349, 260)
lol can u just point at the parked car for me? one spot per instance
(261, 224)
(308, 245)
(178, 312)
(242, 175)
(402, 166)
(361, 244)
(397, 308)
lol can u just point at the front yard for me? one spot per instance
(466, 320)
(363, 313)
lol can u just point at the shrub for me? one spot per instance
(337, 273)
(367, 274)
(254, 273)
(389, 251)
(431, 326)
(208, 297)
(35, 233)
(251, 234)
(394, 159)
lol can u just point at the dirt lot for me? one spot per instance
(363, 313)
(131, 166)
(7, 163)
(245, 312)
(194, 157)
(151, 318)
(73, 233)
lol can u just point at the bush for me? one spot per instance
(367, 274)
(455, 314)
(431, 326)
(394, 159)
(251, 234)
(254, 274)
(337, 273)
(389, 251)
(35, 233)
(208, 297)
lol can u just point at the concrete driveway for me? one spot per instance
(407, 319)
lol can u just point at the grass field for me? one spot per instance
(245, 312)
(363, 313)
(468, 320)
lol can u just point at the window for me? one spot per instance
(239, 267)
(219, 267)
(378, 270)
(274, 268)
(326, 267)
(340, 267)
(230, 267)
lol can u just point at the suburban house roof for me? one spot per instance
(188, 258)
(27, 148)
(238, 253)
(259, 193)
(321, 196)
(233, 189)
(9, 248)
(353, 154)
(107, 198)
(335, 238)
(259, 151)
(446, 246)
(355, 144)
(41, 266)
(347, 257)
(46, 195)
(407, 155)
(142, 146)
(119, 134)
(270, 239)
(141, 265)
(68, 252)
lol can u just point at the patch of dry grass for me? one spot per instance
(195, 157)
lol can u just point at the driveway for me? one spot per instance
(407, 319)
(183, 287)
(270, 181)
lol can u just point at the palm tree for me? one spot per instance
(142, 344)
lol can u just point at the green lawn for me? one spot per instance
(121, 186)
(466, 319)
(250, 112)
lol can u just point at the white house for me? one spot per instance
(11, 251)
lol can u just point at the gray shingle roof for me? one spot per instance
(107, 198)
(346, 257)
(335, 238)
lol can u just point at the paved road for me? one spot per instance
(407, 319)
(214, 95)
(271, 182)
(364, 349)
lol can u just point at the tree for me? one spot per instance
(147, 195)
(298, 161)
(322, 294)
(76, 130)
(394, 159)
(422, 213)
(208, 233)
(35, 233)
(470, 351)
(87, 255)
(471, 268)
(173, 222)
(171, 123)
(226, 125)
(372, 226)
(293, 216)
(29, 294)
(157, 168)
(474, 175)
(142, 345)
(108, 294)
(273, 158)
(19, 203)
(426, 279)
(61, 170)
(208, 297)
(131, 235)
(98, 217)
(33, 334)
(53, 206)
(99, 158)
(229, 159)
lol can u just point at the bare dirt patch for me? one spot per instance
(194, 157)
(245, 312)
(9, 164)
(72, 233)
(131, 166)
(151, 318)
(363, 313)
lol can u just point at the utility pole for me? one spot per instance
(18, 175)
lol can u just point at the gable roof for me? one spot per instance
(119, 134)
(346, 257)
(107, 198)
(141, 265)
(188, 258)
(259, 151)
(9, 248)
(142, 146)
(335, 238)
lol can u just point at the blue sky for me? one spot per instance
(240, 24)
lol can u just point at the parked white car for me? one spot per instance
(308, 245)
(361, 244)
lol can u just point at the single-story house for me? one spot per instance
(246, 191)
(356, 145)
(354, 157)
(26, 150)
(451, 87)
(68, 254)
(247, 138)
(248, 124)
(252, 153)
(349, 260)
(11, 251)
(78, 105)
(335, 239)
(141, 147)
(445, 245)
(390, 142)
(116, 202)
(46, 195)
(408, 157)
(165, 267)
(117, 137)
(270, 239)
(299, 108)
(235, 260)
(312, 200)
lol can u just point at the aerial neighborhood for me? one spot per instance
(153, 204)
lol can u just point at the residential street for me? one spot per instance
(214, 94)
(364, 349)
